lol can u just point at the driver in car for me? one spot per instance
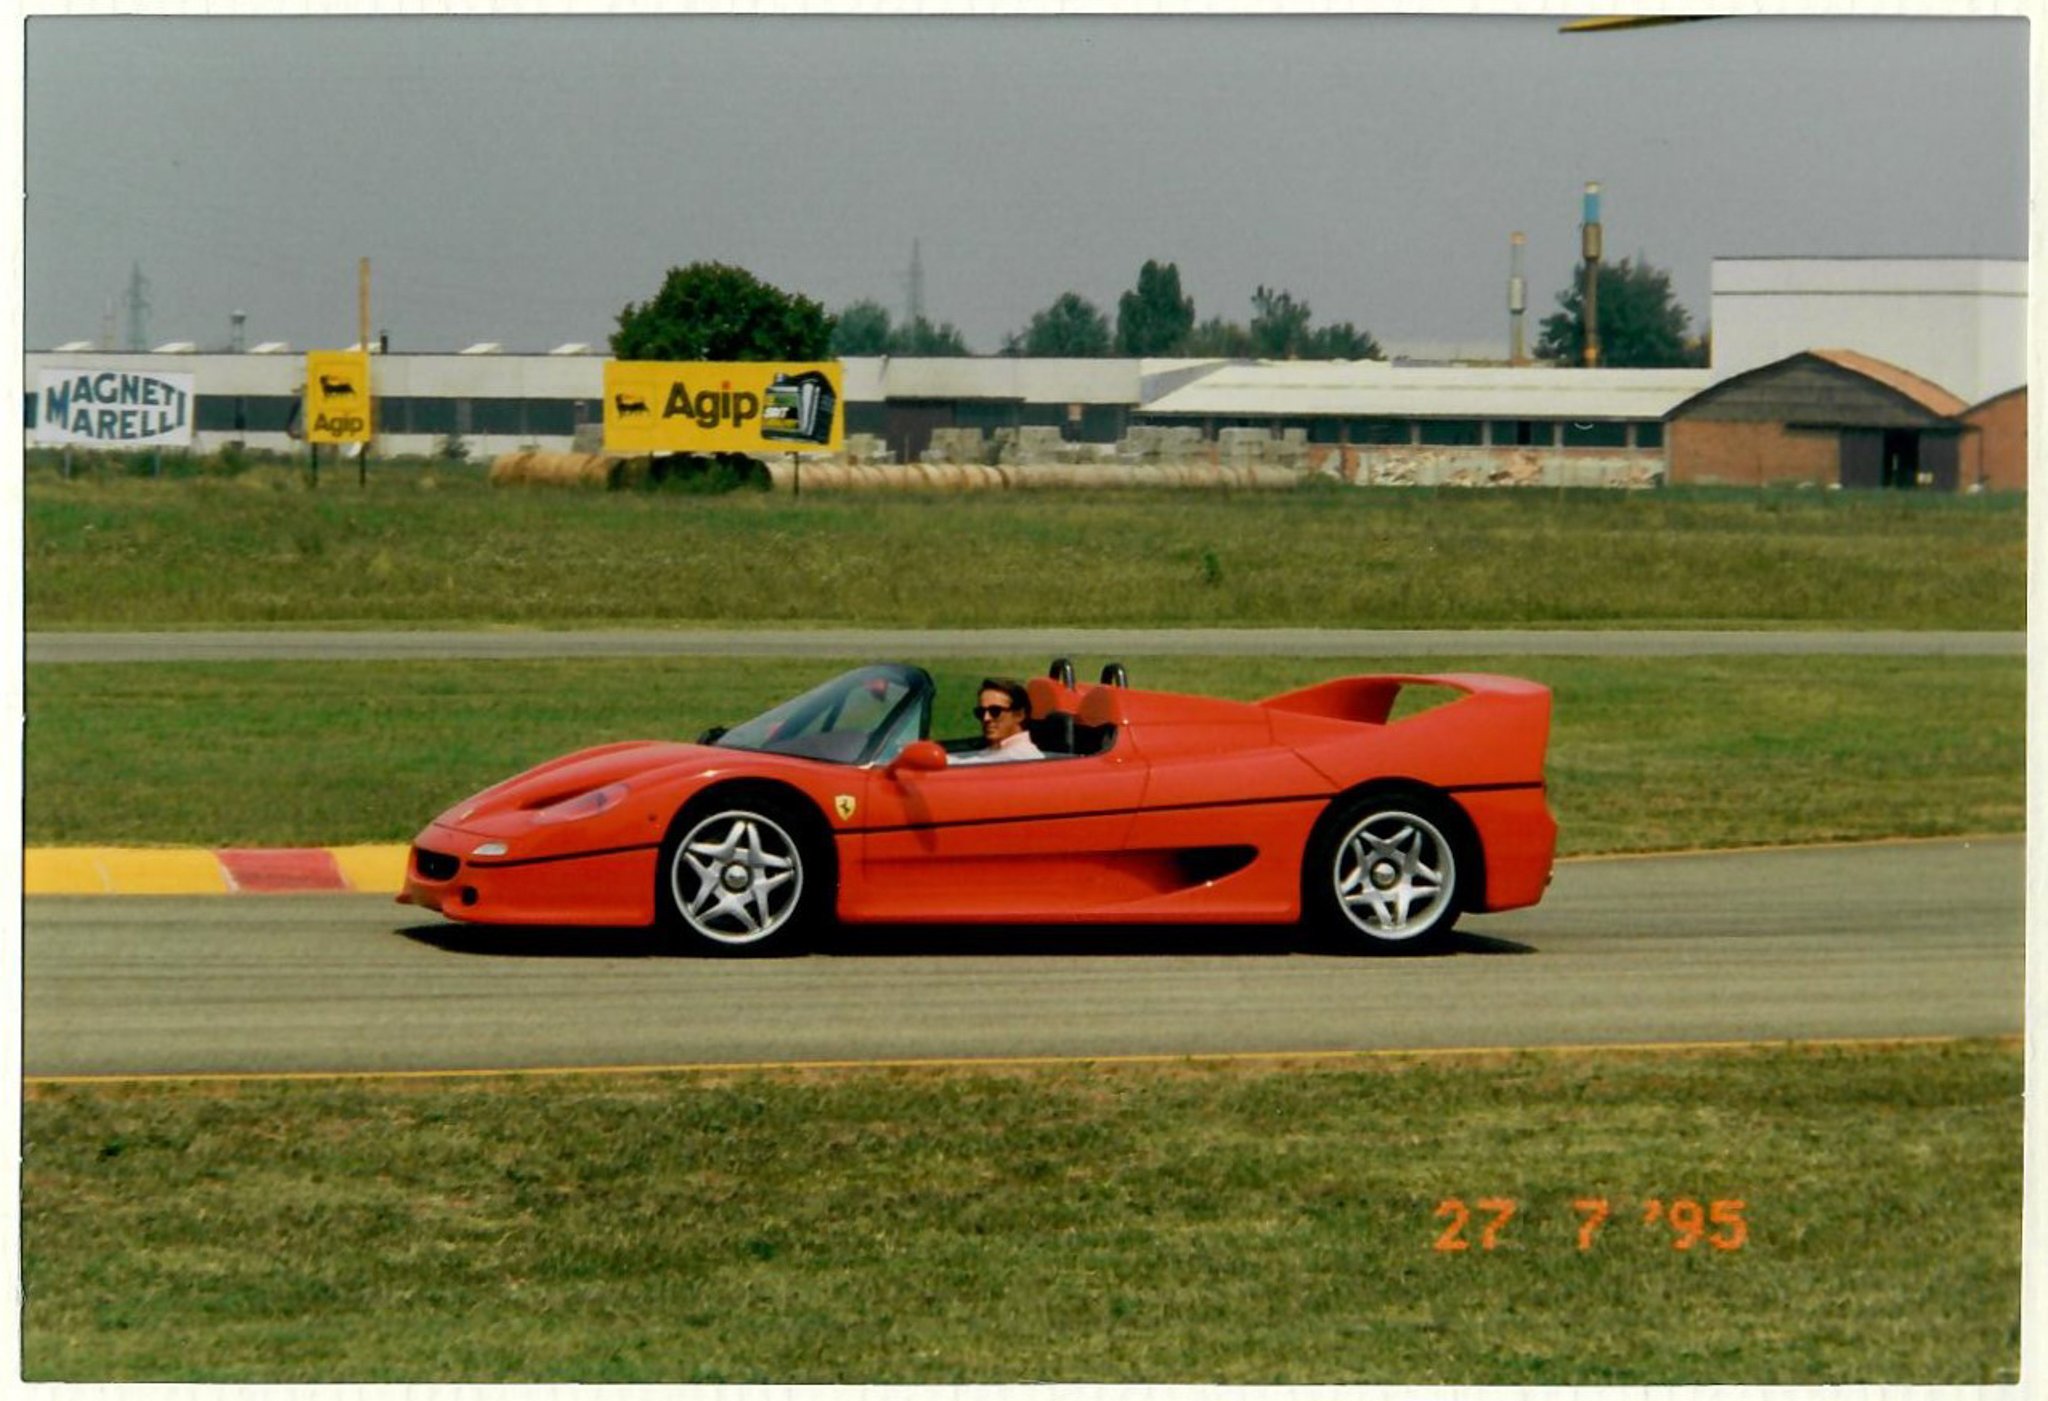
(1002, 708)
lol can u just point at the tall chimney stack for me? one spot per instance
(1589, 237)
(1518, 298)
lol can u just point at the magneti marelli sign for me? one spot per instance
(113, 408)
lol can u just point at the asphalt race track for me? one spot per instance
(1906, 939)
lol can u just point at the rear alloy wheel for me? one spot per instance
(1391, 872)
(738, 879)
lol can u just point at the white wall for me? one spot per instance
(1960, 322)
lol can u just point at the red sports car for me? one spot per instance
(1321, 804)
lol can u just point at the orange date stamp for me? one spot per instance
(1483, 1224)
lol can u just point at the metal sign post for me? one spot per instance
(369, 397)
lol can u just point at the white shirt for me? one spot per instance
(1017, 746)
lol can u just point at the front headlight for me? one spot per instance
(583, 804)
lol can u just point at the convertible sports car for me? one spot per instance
(1322, 804)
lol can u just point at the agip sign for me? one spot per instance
(716, 406)
(113, 409)
(337, 396)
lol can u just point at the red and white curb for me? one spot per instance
(211, 870)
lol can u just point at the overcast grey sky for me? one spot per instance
(520, 179)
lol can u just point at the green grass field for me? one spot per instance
(1203, 1223)
(435, 548)
(1191, 1223)
(1646, 753)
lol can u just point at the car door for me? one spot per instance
(1032, 840)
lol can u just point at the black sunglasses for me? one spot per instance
(989, 712)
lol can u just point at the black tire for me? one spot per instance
(743, 875)
(1389, 869)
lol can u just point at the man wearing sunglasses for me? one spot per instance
(1002, 709)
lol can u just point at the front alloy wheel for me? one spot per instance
(736, 879)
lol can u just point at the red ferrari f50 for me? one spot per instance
(1321, 804)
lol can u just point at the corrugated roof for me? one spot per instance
(1373, 389)
(1924, 392)
(1032, 380)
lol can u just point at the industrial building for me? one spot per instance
(1823, 417)
(1850, 372)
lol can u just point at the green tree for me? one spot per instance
(921, 337)
(1154, 318)
(714, 311)
(1642, 326)
(1218, 337)
(1279, 325)
(1282, 329)
(861, 329)
(864, 329)
(1340, 341)
(1071, 326)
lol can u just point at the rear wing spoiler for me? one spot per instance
(1369, 700)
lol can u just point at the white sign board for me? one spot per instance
(114, 408)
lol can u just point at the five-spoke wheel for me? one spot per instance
(738, 878)
(1388, 868)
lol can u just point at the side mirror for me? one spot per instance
(922, 756)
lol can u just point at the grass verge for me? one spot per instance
(1646, 754)
(1199, 1223)
(434, 547)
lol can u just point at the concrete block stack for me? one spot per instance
(1249, 447)
(864, 450)
(1150, 443)
(957, 445)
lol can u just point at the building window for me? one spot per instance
(1325, 430)
(985, 414)
(1650, 434)
(497, 416)
(430, 416)
(1601, 433)
(261, 413)
(1522, 433)
(1377, 430)
(872, 419)
(1102, 423)
(1450, 432)
(550, 417)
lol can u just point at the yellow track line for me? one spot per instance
(1024, 1062)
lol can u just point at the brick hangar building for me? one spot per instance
(1932, 395)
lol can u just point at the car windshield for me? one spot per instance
(865, 716)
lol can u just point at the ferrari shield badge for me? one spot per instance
(843, 805)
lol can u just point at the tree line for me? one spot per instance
(714, 311)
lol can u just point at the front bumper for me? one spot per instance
(600, 888)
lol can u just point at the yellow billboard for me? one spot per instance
(711, 406)
(337, 396)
